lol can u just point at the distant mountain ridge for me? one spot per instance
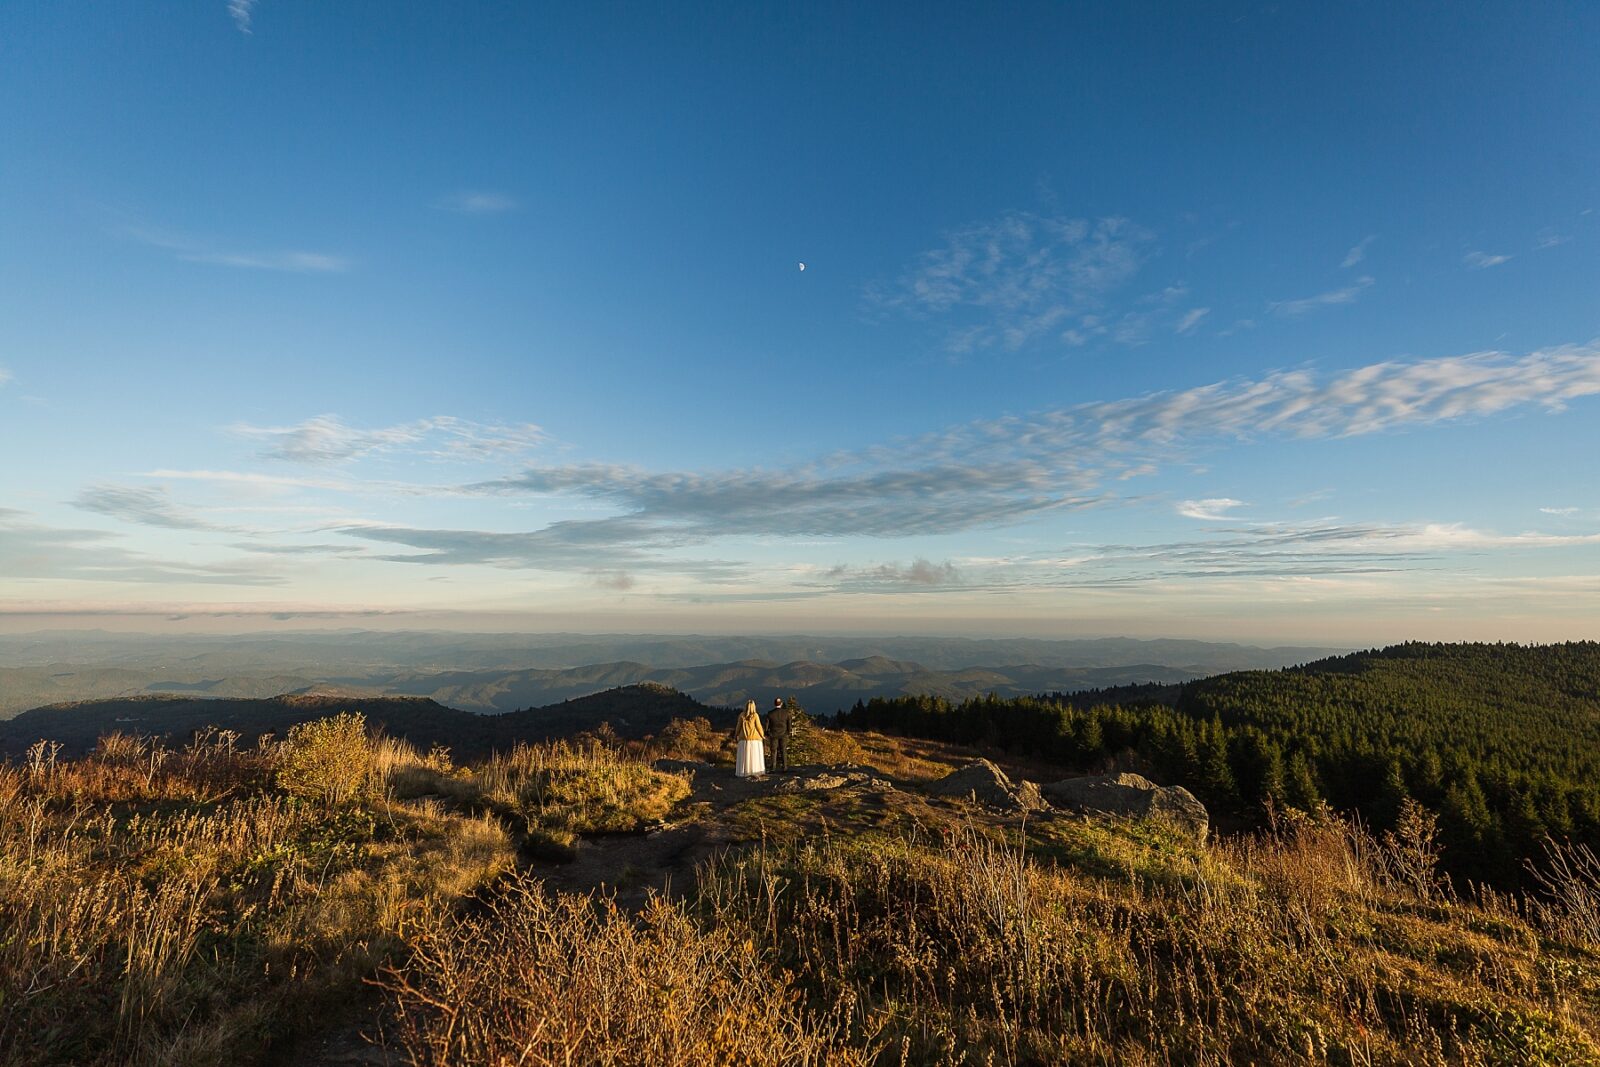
(507, 671)
(359, 652)
(821, 687)
(633, 710)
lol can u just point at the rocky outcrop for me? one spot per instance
(823, 779)
(987, 784)
(1132, 795)
(813, 778)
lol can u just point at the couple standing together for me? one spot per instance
(749, 739)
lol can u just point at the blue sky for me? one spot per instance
(1222, 320)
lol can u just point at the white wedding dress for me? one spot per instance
(750, 758)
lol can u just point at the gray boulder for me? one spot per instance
(1132, 795)
(987, 784)
(822, 779)
(1029, 798)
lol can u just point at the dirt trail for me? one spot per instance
(343, 1042)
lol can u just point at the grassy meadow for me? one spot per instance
(215, 903)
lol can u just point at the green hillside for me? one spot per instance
(1503, 741)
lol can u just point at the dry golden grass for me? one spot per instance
(917, 760)
(1094, 942)
(1570, 903)
(538, 979)
(180, 907)
(906, 759)
(1300, 948)
(579, 789)
(172, 907)
(696, 740)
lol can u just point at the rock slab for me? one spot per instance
(987, 784)
(1132, 795)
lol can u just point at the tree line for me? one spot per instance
(1501, 740)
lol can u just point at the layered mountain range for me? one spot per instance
(504, 672)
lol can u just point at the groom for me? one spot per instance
(779, 725)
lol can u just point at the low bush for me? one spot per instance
(694, 740)
(329, 760)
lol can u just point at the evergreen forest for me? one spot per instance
(1502, 741)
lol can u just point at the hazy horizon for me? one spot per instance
(482, 625)
(1259, 324)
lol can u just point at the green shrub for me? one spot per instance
(692, 739)
(812, 743)
(329, 760)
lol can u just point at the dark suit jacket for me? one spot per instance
(778, 722)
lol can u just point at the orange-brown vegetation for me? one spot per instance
(187, 905)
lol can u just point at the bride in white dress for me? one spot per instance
(750, 756)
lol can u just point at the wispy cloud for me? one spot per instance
(619, 544)
(478, 202)
(920, 575)
(33, 552)
(294, 262)
(1308, 550)
(5, 376)
(1368, 538)
(242, 11)
(1548, 238)
(1560, 511)
(1483, 260)
(192, 250)
(1301, 403)
(1017, 279)
(255, 480)
(266, 549)
(1295, 552)
(1358, 252)
(1331, 298)
(1191, 319)
(894, 501)
(327, 439)
(1305, 554)
(1212, 508)
(151, 506)
(1000, 472)
(984, 474)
